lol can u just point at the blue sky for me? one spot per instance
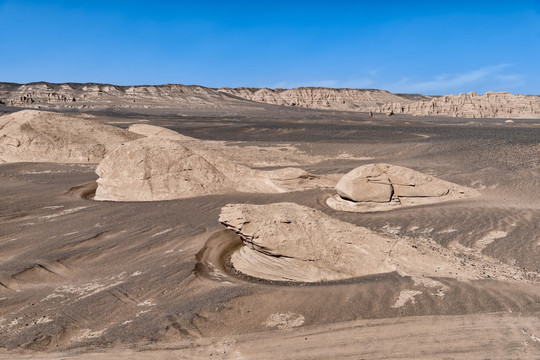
(429, 47)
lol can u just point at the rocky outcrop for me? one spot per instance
(290, 242)
(157, 169)
(169, 96)
(104, 96)
(39, 136)
(164, 168)
(470, 105)
(233, 100)
(378, 187)
(321, 98)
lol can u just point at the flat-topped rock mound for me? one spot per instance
(379, 187)
(290, 242)
(157, 168)
(40, 136)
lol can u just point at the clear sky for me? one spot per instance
(428, 47)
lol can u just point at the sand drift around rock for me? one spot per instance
(290, 242)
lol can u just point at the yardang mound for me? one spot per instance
(289, 242)
(39, 136)
(379, 187)
(156, 168)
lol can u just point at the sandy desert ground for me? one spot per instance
(81, 278)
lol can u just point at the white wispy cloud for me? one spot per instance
(314, 83)
(495, 78)
(353, 83)
(510, 80)
(448, 83)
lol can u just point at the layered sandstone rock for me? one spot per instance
(321, 98)
(290, 242)
(160, 168)
(41, 95)
(377, 187)
(470, 105)
(232, 100)
(39, 136)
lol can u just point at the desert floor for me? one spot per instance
(87, 279)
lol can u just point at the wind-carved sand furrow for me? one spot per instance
(92, 241)
(36, 275)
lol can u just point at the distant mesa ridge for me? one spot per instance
(175, 96)
(470, 105)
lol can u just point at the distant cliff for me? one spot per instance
(198, 98)
(471, 105)
(323, 98)
(96, 96)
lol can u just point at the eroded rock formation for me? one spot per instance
(43, 95)
(470, 105)
(164, 168)
(40, 136)
(231, 100)
(322, 98)
(290, 242)
(378, 187)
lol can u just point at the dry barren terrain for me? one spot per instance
(82, 278)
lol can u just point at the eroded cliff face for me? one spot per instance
(90, 96)
(470, 105)
(322, 98)
(199, 98)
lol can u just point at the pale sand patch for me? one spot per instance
(489, 238)
(430, 283)
(447, 231)
(62, 213)
(161, 233)
(43, 320)
(149, 302)
(87, 334)
(406, 296)
(286, 320)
